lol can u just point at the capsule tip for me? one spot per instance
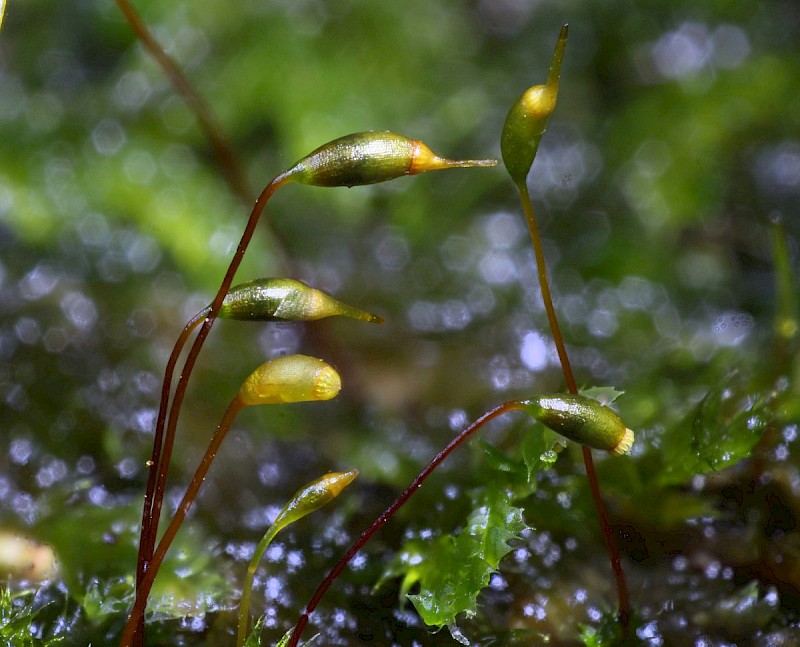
(349, 476)
(625, 443)
(327, 383)
(361, 315)
(447, 163)
(335, 482)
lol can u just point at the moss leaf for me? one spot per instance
(451, 570)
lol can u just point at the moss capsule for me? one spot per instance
(285, 299)
(527, 119)
(583, 420)
(313, 496)
(294, 378)
(368, 158)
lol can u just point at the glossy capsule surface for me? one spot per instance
(294, 378)
(583, 420)
(527, 118)
(313, 496)
(280, 299)
(370, 157)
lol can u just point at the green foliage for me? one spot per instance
(540, 450)
(603, 394)
(282, 642)
(254, 637)
(690, 190)
(607, 633)
(18, 616)
(101, 580)
(451, 570)
(107, 599)
(656, 193)
(722, 430)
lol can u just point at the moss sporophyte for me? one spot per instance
(527, 119)
(522, 132)
(576, 417)
(312, 496)
(357, 159)
(290, 379)
(581, 419)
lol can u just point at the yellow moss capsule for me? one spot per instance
(368, 158)
(583, 420)
(273, 299)
(527, 119)
(294, 378)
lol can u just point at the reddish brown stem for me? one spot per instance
(145, 552)
(194, 351)
(188, 367)
(392, 509)
(588, 461)
(226, 158)
(544, 286)
(236, 179)
(185, 505)
(608, 538)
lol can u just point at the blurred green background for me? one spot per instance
(673, 152)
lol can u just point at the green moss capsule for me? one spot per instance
(274, 299)
(583, 420)
(527, 119)
(294, 378)
(312, 496)
(368, 158)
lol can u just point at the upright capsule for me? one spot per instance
(271, 299)
(294, 378)
(583, 420)
(313, 496)
(368, 158)
(527, 119)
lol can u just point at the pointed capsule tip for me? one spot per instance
(350, 475)
(361, 315)
(483, 162)
(479, 163)
(443, 163)
(335, 482)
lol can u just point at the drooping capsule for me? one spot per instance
(527, 119)
(370, 157)
(581, 419)
(272, 299)
(294, 378)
